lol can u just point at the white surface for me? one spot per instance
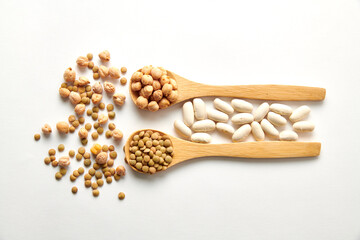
(307, 42)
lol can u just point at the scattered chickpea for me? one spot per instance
(80, 109)
(75, 98)
(103, 71)
(96, 98)
(83, 81)
(102, 157)
(64, 161)
(37, 137)
(82, 61)
(96, 149)
(103, 119)
(62, 127)
(104, 55)
(123, 80)
(83, 133)
(64, 92)
(114, 72)
(117, 134)
(119, 99)
(120, 170)
(69, 75)
(109, 87)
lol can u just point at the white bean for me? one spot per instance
(269, 128)
(242, 118)
(201, 138)
(304, 126)
(257, 131)
(199, 109)
(276, 119)
(223, 106)
(182, 129)
(300, 113)
(281, 109)
(261, 111)
(225, 128)
(288, 135)
(188, 114)
(203, 126)
(216, 115)
(242, 106)
(242, 133)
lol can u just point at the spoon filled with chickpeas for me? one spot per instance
(154, 88)
(151, 151)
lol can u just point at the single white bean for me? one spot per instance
(203, 126)
(276, 119)
(223, 106)
(288, 135)
(304, 126)
(242, 133)
(188, 114)
(269, 128)
(199, 109)
(261, 111)
(241, 106)
(242, 118)
(281, 109)
(182, 129)
(225, 128)
(300, 113)
(216, 115)
(201, 138)
(257, 131)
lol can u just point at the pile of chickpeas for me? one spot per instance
(155, 89)
(81, 95)
(150, 152)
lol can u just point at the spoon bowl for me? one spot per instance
(188, 89)
(185, 150)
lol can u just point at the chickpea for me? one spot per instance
(101, 158)
(117, 134)
(103, 118)
(173, 84)
(83, 81)
(146, 70)
(136, 86)
(166, 89)
(146, 91)
(46, 129)
(109, 87)
(96, 98)
(64, 161)
(62, 127)
(156, 73)
(164, 103)
(157, 95)
(83, 133)
(136, 77)
(119, 99)
(97, 88)
(147, 80)
(82, 61)
(80, 109)
(173, 96)
(120, 170)
(142, 102)
(164, 80)
(114, 72)
(104, 55)
(156, 85)
(153, 106)
(69, 75)
(64, 92)
(103, 71)
(75, 98)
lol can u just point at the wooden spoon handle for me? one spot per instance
(273, 149)
(264, 92)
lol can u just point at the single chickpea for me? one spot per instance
(166, 89)
(101, 158)
(120, 170)
(136, 77)
(96, 149)
(96, 98)
(157, 95)
(83, 133)
(46, 129)
(97, 88)
(136, 86)
(62, 127)
(104, 55)
(117, 134)
(119, 99)
(156, 85)
(75, 98)
(147, 80)
(123, 80)
(173, 84)
(69, 75)
(156, 73)
(114, 72)
(82, 61)
(164, 103)
(146, 91)
(83, 81)
(103, 71)
(146, 70)
(141, 102)
(153, 106)
(64, 92)
(80, 109)
(164, 80)
(109, 87)
(173, 96)
(64, 161)
(103, 118)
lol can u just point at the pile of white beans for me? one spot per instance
(199, 121)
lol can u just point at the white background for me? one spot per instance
(311, 43)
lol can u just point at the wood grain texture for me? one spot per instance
(185, 150)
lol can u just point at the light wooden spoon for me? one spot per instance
(185, 150)
(188, 89)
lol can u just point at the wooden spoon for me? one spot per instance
(185, 150)
(188, 89)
